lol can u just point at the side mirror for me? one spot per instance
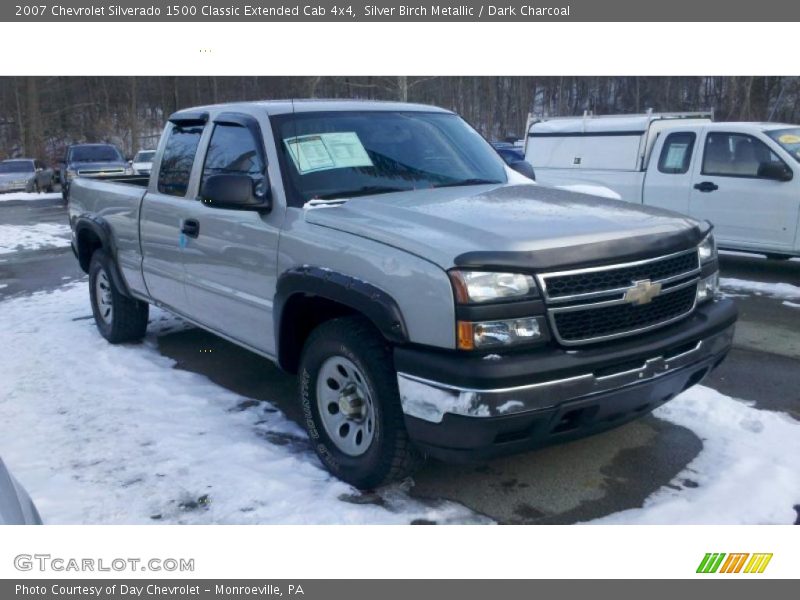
(775, 170)
(524, 168)
(233, 192)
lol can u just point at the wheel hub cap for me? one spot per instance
(345, 405)
(350, 403)
(102, 291)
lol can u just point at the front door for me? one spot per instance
(231, 260)
(747, 209)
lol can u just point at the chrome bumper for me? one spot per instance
(431, 400)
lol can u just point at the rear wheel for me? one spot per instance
(351, 405)
(118, 317)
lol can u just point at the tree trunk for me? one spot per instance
(35, 144)
(133, 114)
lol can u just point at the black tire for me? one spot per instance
(127, 320)
(390, 455)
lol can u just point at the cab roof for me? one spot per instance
(278, 107)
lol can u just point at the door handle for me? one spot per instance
(706, 186)
(190, 228)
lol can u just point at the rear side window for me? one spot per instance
(676, 155)
(233, 150)
(178, 158)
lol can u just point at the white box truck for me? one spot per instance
(740, 176)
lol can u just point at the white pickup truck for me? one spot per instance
(740, 176)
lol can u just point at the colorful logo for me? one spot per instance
(719, 562)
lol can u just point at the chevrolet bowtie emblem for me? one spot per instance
(642, 292)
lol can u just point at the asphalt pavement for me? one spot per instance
(572, 482)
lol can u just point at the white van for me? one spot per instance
(743, 177)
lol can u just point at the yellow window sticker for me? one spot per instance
(323, 151)
(789, 138)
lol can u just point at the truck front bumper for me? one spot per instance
(461, 407)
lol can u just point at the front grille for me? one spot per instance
(100, 172)
(590, 323)
(614, 278)
(593, 304)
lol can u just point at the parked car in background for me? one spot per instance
(16, 506)
(514, 157)
(509, 152)
(25, 175)
(143, 162)
(431, 300)
(92, 160)
(742, 177)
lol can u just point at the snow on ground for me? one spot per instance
(781, 291)
(33, 237)
(114, 434)
(746, 473)
(29, 196)
(750, 255)
(594, 190)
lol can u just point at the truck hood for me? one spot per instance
(512, 225)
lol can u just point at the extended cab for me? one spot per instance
(431, 300)
(742, 177)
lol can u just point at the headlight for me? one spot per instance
(707, 288)
(482, 286)
(707, 249)
(499, 334)
(71, 174)
(128, 170)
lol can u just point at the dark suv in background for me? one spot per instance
(92, 160)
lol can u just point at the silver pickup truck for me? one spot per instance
(433, 301)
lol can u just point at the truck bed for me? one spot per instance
(118, 200)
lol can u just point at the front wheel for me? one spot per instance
(119, 318)
(351, 405)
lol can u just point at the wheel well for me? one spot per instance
(302, 314)
(87, 241)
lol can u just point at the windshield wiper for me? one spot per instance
(362, 191)
(472, 181)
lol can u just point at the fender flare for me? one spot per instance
(363, 297)
(102, 230)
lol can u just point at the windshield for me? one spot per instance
(16, 166)
(788, 139)
(146, 156)
(329, 155)
(94, 154)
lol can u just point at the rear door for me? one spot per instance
(668, 179)
(231, 261)
(747, 210)
(163, 211)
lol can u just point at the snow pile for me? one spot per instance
(14, 238)
(746, 473)
(29, 196)
(782, 291)
(594, 190)
(114, 434)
